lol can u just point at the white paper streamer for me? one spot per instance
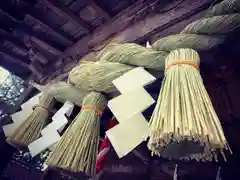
(130, 103)
(127, 109)
(50, 134)
(31, 102)
(134, 79)
(126, 136)
(148, 45)
(19, 117)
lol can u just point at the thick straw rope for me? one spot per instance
(30, 130)
(85, 74)
(77, 149)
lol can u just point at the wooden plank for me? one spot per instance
(99, 10)
(18, 26)
(81, 48)
(176, 28)
(67, 14)
(56, 32)
(16, 49)
(136, 31)
(159, 22)
(8, 16)
(13, 58)
(8, 39)
(45, 45)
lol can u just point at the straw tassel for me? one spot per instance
(77, 149)
(31, 128)
(184, 115)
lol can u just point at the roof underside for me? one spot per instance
(36, 33)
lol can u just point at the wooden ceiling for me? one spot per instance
(41, 39)
(34, 33)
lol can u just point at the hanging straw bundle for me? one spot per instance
(77, 149)
(31, 128)
(184, 113)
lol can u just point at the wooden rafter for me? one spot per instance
(99, 10)
(5, 36)
(58, 33)
(45, 45)
(8, 16)
(67, 14)
(125, 32)
(18, 26)
(14, 58)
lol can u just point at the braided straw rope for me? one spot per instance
(31, 128)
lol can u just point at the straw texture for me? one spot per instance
(63, 91)
(184, 111)
(77, 149)
(97, 76)
(31, 128)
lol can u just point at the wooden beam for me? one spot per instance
(8, 16)
(67, 14)
(132, 33)
(13, 57)
(61, 35)
(18, 26)
(99, 10)
(45, 45)
(8, 38)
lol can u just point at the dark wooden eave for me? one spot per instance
(99, 10)
(62, 30)
(137, 31)
(16, 26)
(14, 58)
(66, 13)
(123, 28)
(67, 40)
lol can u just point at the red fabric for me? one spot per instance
(104, 146)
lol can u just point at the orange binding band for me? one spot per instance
(93, 108)
(182, 62)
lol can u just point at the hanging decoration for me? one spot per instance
(50, 134)
(148, 45)
(19, 117)
(31, 128)
(132, 126)
(77, 149)
(184, 115)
